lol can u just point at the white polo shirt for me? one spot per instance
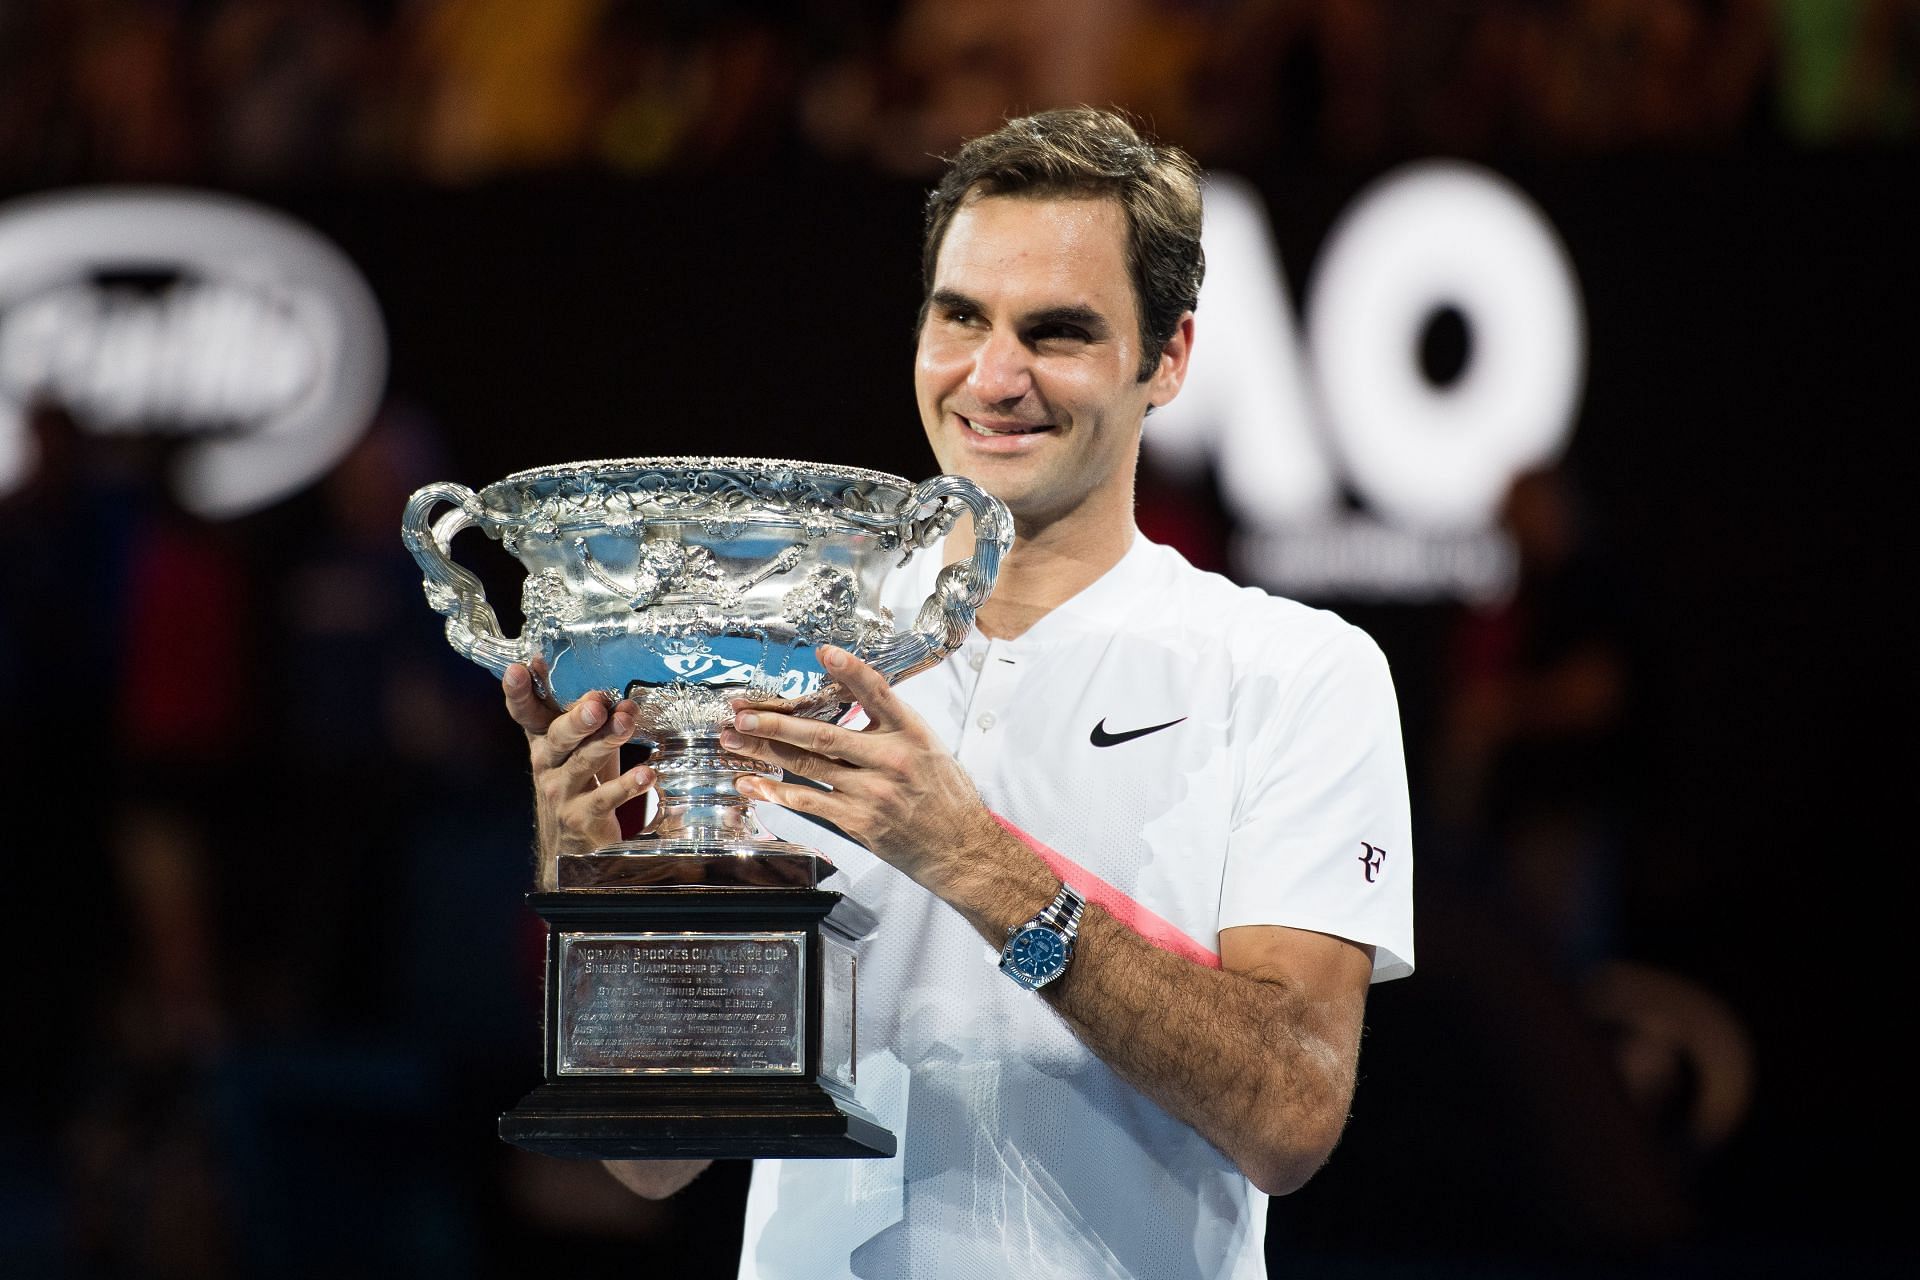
(1189, 754)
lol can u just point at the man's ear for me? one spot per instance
(1171, 373)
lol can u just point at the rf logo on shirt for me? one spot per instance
(1373, 858)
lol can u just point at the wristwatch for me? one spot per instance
(1038, 951)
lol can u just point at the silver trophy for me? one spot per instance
(699, 983)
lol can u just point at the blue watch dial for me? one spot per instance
(1037, 952)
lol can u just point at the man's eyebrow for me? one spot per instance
(1083, 317)
(1077, 314)
(952, 300)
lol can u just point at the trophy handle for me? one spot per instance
(472, 627)
(947, 615)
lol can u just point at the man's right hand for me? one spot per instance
(655, 1179)
(577, 783)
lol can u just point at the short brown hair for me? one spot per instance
(1084, 152)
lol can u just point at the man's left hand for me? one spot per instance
(896, 788)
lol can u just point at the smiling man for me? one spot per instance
(1138, 848)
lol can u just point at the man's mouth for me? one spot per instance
(1005, 428)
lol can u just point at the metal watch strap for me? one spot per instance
(1062, 915)
(1064, 912)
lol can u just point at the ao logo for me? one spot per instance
(1284, 420)
(265, 344)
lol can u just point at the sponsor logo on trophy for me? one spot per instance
(700, 984)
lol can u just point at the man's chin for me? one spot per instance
(1002, 477)
(956, 461)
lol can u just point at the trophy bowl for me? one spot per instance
(685, 584)
(700, 985)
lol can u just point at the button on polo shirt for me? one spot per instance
(995, 688)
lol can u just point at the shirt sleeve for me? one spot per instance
(1322, 835)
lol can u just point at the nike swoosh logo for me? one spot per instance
(1101, 738)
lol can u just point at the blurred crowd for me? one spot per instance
(275, 877)
(249, 91)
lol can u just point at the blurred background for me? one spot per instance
(1562, 344)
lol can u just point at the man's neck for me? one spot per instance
(1046, 567)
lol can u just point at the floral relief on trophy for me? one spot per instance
(668, 567)
(689, 712)
(821, 608)
(547, 604)
(725, 495)
(693, 642)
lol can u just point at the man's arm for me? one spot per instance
(1258, 1056)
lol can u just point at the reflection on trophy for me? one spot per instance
(699, 984)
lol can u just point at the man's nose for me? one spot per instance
(1002, 369)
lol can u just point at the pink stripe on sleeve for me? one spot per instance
(1157, 929)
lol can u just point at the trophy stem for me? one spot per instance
(698, 798)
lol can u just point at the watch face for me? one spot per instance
(1037, 953)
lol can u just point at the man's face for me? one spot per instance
(1029, 359)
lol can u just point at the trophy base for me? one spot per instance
(785, 1119)
(694, 1012)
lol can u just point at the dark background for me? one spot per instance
(272, 980)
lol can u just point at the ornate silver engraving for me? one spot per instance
(820, 606)
(689, 583)
(547, 604)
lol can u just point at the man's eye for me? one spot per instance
(1058, 333)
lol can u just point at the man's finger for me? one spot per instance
(594, 762)
(813, 737)
(629, 786)
(655, 810)
(590, 719)
(819, 767)
(801, 799)
(523, 702)
(869, 688)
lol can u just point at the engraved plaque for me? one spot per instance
(699, 1022)
(666, 1004)
(837, 1048)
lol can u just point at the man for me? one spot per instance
(1193, 793)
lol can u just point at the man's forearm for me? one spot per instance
(1241, 1059)
(1256, 1068)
